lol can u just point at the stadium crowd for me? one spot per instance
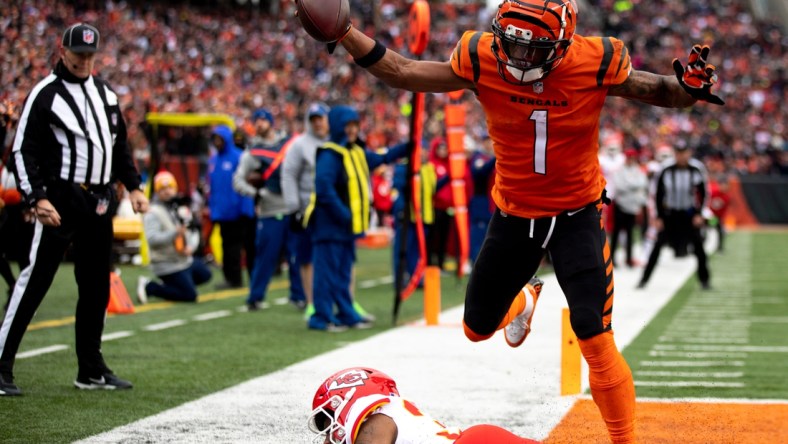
(181, 58)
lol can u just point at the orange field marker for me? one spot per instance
(432, 294)
(570, 357)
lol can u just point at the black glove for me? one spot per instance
(698, 76)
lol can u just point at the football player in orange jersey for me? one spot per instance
(543, 87)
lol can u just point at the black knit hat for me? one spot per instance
(81, 37)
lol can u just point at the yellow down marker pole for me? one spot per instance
(570, 357)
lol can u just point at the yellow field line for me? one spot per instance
(213, 296)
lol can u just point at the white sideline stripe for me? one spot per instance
(116, 335)
(41, 351)
(692, 363)
(212, 315)
(281, 301)
(725, 348)
(689, 384)
(690, 374)
(164, 325)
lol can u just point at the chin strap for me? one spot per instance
(527, 76)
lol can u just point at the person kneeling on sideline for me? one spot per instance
(172, 245)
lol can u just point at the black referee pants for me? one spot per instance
(678, 229)
(91, 236)
(511, 254)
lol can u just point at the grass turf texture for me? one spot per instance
(729, 342)
(171, 366)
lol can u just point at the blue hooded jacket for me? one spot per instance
(224, 202)
(331, 217)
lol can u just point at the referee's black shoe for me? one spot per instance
(7, 386)
(106, 381)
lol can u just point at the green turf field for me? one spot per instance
(179, 352)
(729, 342)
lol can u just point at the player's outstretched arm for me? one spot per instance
(401, 72)
(691, 83)
(654, 89)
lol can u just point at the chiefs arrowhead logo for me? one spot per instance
(353, 378)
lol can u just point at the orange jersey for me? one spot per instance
(546, 134)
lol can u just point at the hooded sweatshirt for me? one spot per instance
(224, 202)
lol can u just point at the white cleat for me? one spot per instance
(517, 330)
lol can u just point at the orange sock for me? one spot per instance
(517, 307)
(611, 386)
(472, 335)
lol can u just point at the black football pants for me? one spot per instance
(511, 254)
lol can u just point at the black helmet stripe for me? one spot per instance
(529, 19)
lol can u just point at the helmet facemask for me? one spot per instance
(531, 38)
(324, 420)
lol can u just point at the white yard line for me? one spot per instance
(212, 315)
(164, 325)
(41, 351)
(116, 335)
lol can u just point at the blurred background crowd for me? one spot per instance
(234, 57)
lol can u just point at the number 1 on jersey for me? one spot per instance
(540, 141)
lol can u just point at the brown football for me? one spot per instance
(325, 20)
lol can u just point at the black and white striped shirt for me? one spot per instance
(681, 188)
(71, 130)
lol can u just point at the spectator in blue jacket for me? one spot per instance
(232, 212)
(339, 214)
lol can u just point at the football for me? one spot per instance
(325, 20)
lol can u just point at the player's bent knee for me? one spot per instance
(586, 323)
(473, 336)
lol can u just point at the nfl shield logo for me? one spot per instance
(114, 119)
(538, 87)
(88, 36)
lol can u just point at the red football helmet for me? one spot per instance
(531, 37)
(335, 397)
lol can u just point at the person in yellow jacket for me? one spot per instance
(338, 214)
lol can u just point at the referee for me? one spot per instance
(70, 146)
(680, 197)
